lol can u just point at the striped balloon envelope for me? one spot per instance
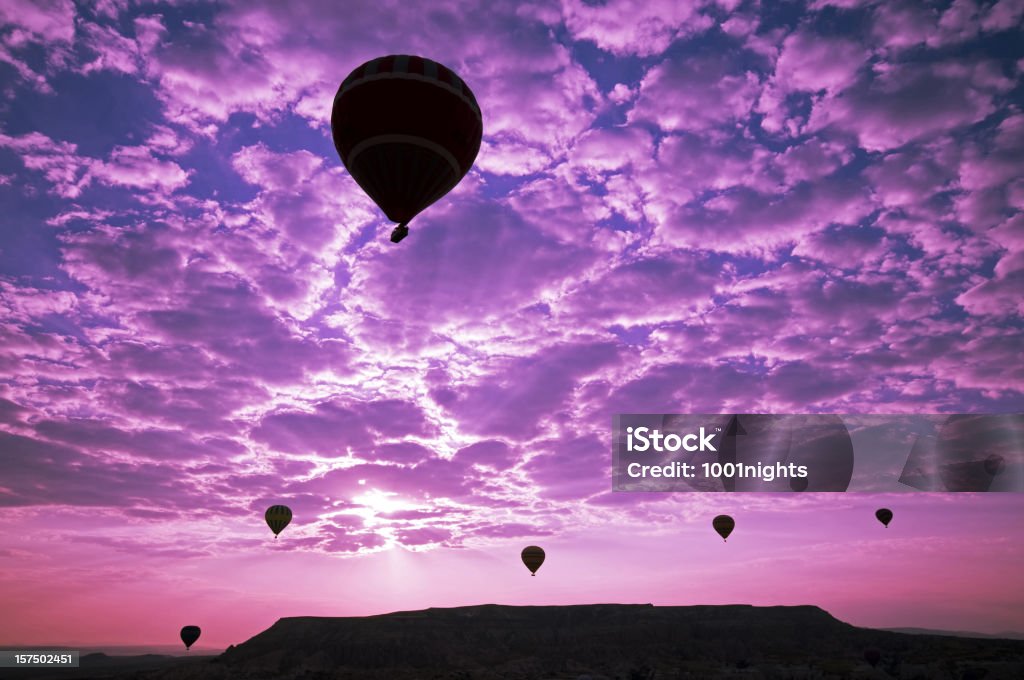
(408, 130)
(278, 517)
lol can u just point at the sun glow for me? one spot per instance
(376, 502)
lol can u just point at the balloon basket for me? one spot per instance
(399, 232)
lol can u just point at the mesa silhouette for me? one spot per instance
(601, 641)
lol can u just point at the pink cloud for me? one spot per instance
(70, 173)
(508, 156)
(114, 51)
(49, 21)
(644, 291)
(695, 94)
(490, 452)
(495, 405)
(905, 102)
(634, 27)
(744, 220)
(56, 160)
(900, 25)
(1000, 295)
(566, 469)
(1003, 15)
(136, 167)
(812, 62)
(909, 180)
(458, 248)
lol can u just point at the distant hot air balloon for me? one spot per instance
(278, 517)
(872, 656)
(884, 516)
(189, 635)
(408, 130)
(533, 557)
(724, 525)
(798, 483)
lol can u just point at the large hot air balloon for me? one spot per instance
(278, 517)
(189, 635)
(408, 130)
(724, 525)
(884, 516)
(533, 557)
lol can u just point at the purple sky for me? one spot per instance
(681, 206)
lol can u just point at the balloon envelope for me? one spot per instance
(278, 517)
(884, 516)
(723, 524)
(408, 130)
(189, 635)
(533, 557)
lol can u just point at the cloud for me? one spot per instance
(49, 21)
(999, 296)
(812, 62)
(514, 399)
(490, 452)
(744, 219)
(907, 102)
(337, 429)
(133, 167)
(696, 94)
(634, 27)
(570, 468)
(44, 473)
(807, 210)
(471, 261)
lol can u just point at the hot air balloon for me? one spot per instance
(189, 635)
(533, 557)
(798, 483)
(408, 130)
(278, 517)
(724, 525)
(884, 516)
(872, 656)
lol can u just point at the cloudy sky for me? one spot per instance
(695, 206)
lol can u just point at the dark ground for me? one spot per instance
(592, 642)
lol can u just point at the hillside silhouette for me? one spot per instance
(596, 642)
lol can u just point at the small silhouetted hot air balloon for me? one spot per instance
(724, 525)
(408, 130)
(189, 635)
(533, 557)
(884, 516)
(798, 483)
(278, 517)
(872, 656)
